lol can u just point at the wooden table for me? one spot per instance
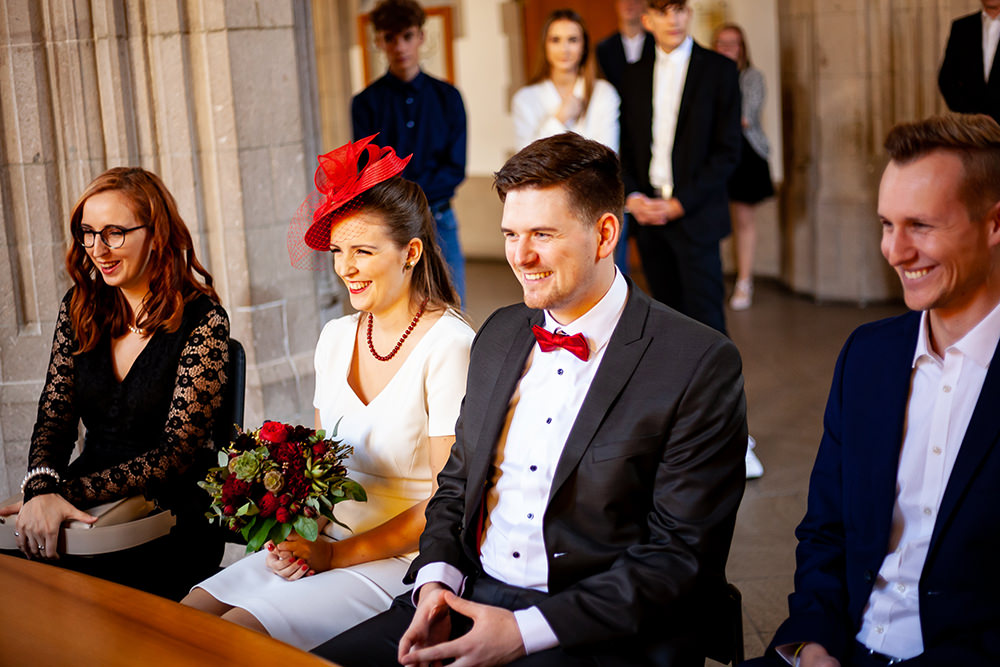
(52, 616)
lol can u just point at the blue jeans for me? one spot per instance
(447, 239)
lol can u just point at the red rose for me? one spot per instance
(229, 510)
(283, 515)
(275, 432)
(268, 505)
(319, 449)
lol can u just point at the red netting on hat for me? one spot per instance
(339, 179)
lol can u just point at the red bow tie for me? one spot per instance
(575, 344)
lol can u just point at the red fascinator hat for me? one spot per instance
(342, 175)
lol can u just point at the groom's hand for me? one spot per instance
(431, 625)
(493, 640)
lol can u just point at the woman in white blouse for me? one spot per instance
(564, 94)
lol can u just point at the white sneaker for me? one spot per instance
(742, 295)
(754, 467)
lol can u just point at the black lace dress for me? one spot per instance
(150, 434)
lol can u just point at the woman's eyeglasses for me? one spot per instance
(112, 236)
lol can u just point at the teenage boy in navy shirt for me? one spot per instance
(416, 113)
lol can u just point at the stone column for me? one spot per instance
(216, 96)
(851, 69)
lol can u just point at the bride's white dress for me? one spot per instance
(391, 460)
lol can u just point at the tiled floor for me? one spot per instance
(789, 346)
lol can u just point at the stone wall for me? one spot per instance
(851, 69)
(216, 96)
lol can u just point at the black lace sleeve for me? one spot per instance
(57, 420)
(198, 393)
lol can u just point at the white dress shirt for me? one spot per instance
(991, 35)
(540, 415)
(633, 47)
(669, 75)
(943, 395)
(534, 109)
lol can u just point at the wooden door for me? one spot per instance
(598, 15)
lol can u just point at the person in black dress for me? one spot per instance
(139, 357)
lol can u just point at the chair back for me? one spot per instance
(230, 415)
(725, 638)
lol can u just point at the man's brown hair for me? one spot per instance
(588, 171)
(663, 4)
(394, 16)
(974, 138)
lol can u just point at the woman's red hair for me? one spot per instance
(96, 307)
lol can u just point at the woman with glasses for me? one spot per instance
(139, 357)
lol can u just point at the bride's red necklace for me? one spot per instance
(399, 344)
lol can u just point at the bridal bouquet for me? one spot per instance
(277, 479)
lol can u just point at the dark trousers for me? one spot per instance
(682, 273)
(375, 642)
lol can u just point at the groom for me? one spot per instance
(588, 506)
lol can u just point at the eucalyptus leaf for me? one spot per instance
(260, 535)
(223, 460)
(354, 491)
(306, 527)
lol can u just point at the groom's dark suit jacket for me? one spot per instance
(961, 79)
(644, 497)
(845, 534)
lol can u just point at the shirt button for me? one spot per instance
(927, 511)
(549, 420)
(409, 100)
(560, 371)
(533, 468)
(946, 388)
(936, 450)
(901, 588)
(516, 554)
(879, 629)
(410, 123)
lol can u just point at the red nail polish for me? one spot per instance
(270, 547)
(304, 567)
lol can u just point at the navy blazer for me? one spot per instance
(707, 141)
(961, 77)
(845, 534)
(643, 502)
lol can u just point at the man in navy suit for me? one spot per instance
(969, 81)
(681, 138)
(897, 556)
(585, 514)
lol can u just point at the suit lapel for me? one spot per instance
(884, 396)
(510, 369)
(691, 80)
(625, 349)
(980, 439)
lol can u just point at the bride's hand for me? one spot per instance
(317, 555)
(284, 563)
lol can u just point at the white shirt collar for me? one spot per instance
(978, 344)
(598, 323)
(681, 54)
(986, 17)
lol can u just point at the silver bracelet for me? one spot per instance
(35, 472)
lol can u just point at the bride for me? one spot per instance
(393, 375)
